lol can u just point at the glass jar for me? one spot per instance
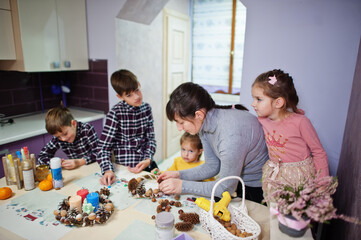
(42, 172)
(164, 223)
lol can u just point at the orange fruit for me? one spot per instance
(5, 193)
(45, 185)
(49, 177)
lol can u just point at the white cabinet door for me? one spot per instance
(51, 34)
(7, 46)
(72, 34)
(39, 35)
(5, 4)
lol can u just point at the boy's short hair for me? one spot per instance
(124, 81)
(194, 139)
(56, 118)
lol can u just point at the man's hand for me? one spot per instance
(140, 166)
(72, 163)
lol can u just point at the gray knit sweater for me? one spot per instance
(234, 145)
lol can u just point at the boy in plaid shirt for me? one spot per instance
(128, 130)
(77, 140)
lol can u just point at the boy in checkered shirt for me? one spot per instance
(128, 130)
(77, 140)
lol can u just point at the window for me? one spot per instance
(215, 27)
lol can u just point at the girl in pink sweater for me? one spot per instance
(295, 151)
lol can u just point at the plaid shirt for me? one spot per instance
(84, 145)
(129, 132)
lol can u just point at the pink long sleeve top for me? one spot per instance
(294, 139)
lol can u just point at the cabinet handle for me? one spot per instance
(67, 64)
(56, 65)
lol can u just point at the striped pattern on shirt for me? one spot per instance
(129, 132)
(84, 145)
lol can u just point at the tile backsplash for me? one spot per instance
(23, 92)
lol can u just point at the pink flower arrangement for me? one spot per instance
(310, 199)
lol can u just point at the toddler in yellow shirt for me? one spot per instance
(191, 151)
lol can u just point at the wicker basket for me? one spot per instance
(239, 216)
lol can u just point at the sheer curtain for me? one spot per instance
(212, 32)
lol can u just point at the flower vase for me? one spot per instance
(291, 226)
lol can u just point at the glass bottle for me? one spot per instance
(11, 168)
(28, 174)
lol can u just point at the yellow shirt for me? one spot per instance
(179, 164)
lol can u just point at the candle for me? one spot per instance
(75, 202)
(82, 193)
(93, 198)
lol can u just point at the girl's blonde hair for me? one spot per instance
(281, 86)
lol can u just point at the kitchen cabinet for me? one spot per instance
(50, 35)
(7, 45)
(5, 4)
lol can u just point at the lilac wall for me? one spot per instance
(20, 92)
(317, 43)
(102, 35)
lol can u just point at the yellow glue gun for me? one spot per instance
(219, 208)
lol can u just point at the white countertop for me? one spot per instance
(34, 125)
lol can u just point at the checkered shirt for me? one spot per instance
(129, 132)
(84, 145)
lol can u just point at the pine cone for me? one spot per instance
(164, 204)
(132, 184)
(102, 215)
(72, 220)
(105, 191)
(73, 212)
(102, 199)
(189, 217)
(140, 189)
(86, 221)
(184, 226)
(63, 205)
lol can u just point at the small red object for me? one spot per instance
(83, 193)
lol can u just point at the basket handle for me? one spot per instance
(219, 182)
